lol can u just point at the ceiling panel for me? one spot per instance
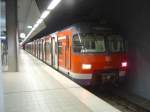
(28, 13)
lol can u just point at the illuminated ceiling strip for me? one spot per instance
(51, 6)
(45, 14)
(39, 21)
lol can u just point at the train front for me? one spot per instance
(98, 58)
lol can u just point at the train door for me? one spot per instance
(54, 52)
(43, 49)
(32, 48)
(37, 45)
(64, 52)
(67, 53)
(48, 51)
(60, 52)
(39, 49)
(36, 48)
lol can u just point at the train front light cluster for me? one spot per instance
(124, 64)
(86, 66)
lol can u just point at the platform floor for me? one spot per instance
(39, 88)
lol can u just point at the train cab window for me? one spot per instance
(88, 43)
(115, 43)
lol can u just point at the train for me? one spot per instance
(89, 54)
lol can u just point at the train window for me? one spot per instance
(59, 47)
(88, 43)
(115, 43)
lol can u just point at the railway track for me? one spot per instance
(117, 101)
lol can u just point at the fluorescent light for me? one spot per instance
(53, 4)
(2, 37)
(39, 21)
(35, 26)
(22, 35)
(29, 27)
(45, 14)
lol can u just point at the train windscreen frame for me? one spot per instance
(88, 43)
(96, 43)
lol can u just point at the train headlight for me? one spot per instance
(86, 66)
(124, 64)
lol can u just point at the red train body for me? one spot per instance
(87, 54)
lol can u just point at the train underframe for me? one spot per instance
(103, 77)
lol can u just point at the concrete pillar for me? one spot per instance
(1, 82)
(1, 75)
(11, 28)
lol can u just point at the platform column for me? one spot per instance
(12, 34)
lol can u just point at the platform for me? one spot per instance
(39, 88)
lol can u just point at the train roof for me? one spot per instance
(89, 28)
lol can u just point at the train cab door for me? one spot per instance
(67, 53)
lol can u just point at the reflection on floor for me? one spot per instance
(39, 88)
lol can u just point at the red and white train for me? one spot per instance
(88, 54)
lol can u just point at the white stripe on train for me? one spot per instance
(75, 75)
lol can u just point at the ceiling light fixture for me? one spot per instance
(3, 37)
(29, 27)
(39, 21)
(22, 35)
(45, 14)
(53, 4)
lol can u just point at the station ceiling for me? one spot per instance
(66, 13)
(71, 11)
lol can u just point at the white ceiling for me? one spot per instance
(28, 13)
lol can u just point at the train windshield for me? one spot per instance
(92, 43)
(88, 43)
(115, 43)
